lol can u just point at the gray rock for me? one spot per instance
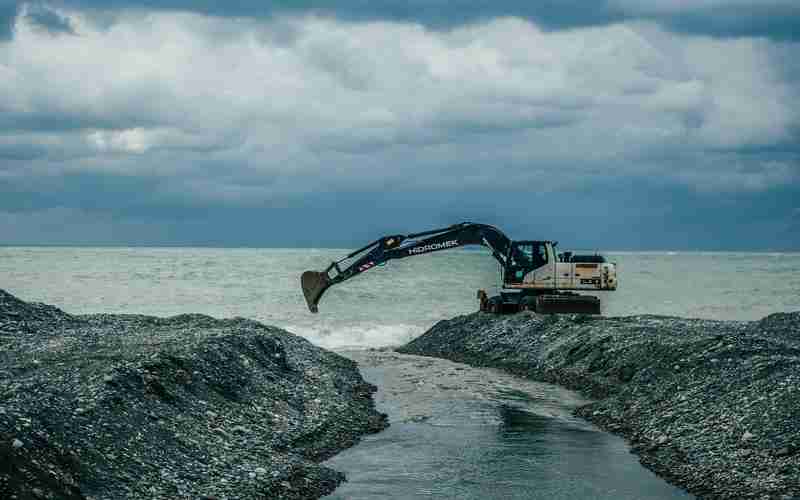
(152, 430)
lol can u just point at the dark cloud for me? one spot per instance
(60, 120)
(22, 152)
(632, 215)
(554, 14)
(47, 19)
(775, 19)
(8, 14)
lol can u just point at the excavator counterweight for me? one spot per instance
(534, 277)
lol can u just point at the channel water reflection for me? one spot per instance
(470, 433)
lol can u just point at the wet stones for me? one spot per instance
(129, 406)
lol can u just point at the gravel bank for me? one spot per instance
(712, 406)
(129, 406)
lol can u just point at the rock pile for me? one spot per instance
(129, 406)
(713, 406)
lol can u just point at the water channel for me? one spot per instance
(478, 433)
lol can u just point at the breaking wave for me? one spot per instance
(358, 336)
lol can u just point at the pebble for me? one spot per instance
(145, 432)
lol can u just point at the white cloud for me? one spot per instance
(332, 104)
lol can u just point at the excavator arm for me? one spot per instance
(315, 283)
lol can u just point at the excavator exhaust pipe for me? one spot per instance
(314, 285)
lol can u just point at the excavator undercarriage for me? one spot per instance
(534, 277)
(550, 303)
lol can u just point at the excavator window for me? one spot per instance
(541, 255)
(529, 255)
(525, 257)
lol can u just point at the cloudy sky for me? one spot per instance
(614, 124)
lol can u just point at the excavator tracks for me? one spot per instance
(552, 303)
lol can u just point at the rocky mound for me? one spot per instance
(713, 406)
(129, 406)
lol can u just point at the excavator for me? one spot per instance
(534, 277)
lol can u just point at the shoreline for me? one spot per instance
(710, 406)
(131, 406)
(127, 406)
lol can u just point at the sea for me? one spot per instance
(456, 431)
(386, 305)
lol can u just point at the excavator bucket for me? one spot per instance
(314, 285)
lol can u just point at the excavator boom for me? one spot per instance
(315, 283)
